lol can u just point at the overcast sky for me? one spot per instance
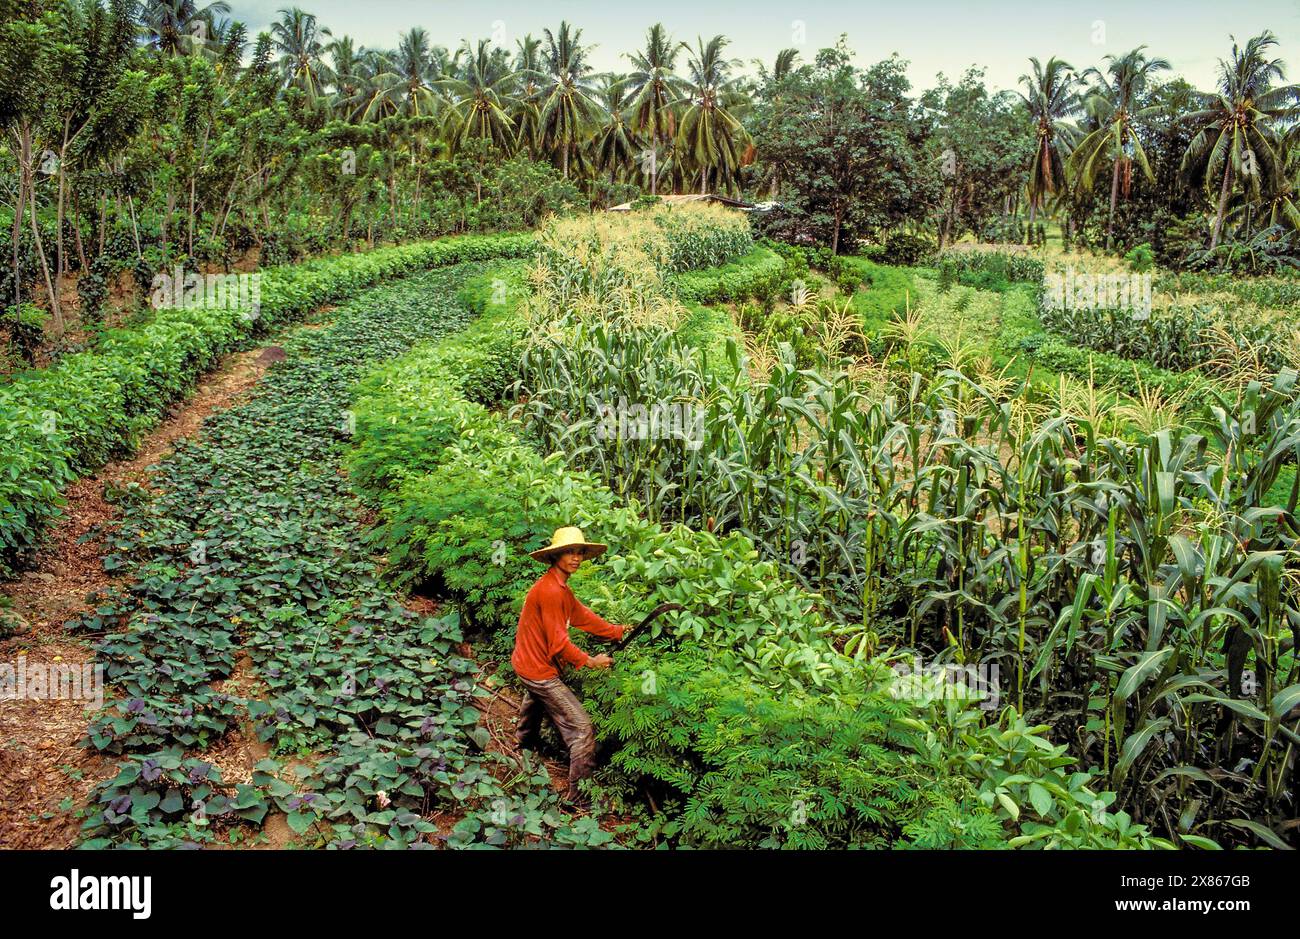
(934, 35)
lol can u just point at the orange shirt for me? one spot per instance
(542, 640)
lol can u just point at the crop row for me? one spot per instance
(1280, 293)
(61, 422)
(1181, 338)
(757, 275)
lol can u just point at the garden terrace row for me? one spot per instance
(62, 422)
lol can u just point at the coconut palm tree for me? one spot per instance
(1280, 206)
(1051, 96)
(368, 101)
(179, 27)
(653, 91)
(1114, 107)
(404, 81)
(527, 94)
(1238, 138)
(615, 143)
(782, 67)
(480, 92)
(710, 132)
(568, 95)
(297, 37)
(347, 72)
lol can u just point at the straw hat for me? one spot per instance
(567, 539)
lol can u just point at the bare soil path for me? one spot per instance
(40, 762)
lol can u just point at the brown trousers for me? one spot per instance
(553, 697)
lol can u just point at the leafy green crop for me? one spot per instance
(62, 422)
(758, 275)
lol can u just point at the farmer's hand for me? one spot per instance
(600, 661)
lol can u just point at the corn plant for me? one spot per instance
(1137, 594)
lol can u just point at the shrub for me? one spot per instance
(26, 328)
(1141, 258)
(757, 274)
(757, 770)
(795, 257)
(1273, 250)
(888, 292)
(902, 248)
(991, 269)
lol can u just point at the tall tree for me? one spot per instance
(710, 133)
(1282, 205)
(404, 81)
(842, 137)
(28, 38)
(179, 27)
(978, 142)
(527, 116)
(615, 143)
(653, 90)
(772, 98)
(1113, 107)
(1051, 96)
(568, 96)
(347, 76)
(481, 94)
(298, 39)
(91, 61)
(1238, 140)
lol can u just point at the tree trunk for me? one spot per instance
(949, 216)
(1114, 198)
(55, 307)
(20, 206)
(61, 263)
(102, 230)
(166, 219)
(76, 231)
(1223, 204)
(135, 228)
(347, 225)
(189, 220)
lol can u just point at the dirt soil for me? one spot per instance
(40, 762)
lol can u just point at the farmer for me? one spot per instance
(542, 642)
